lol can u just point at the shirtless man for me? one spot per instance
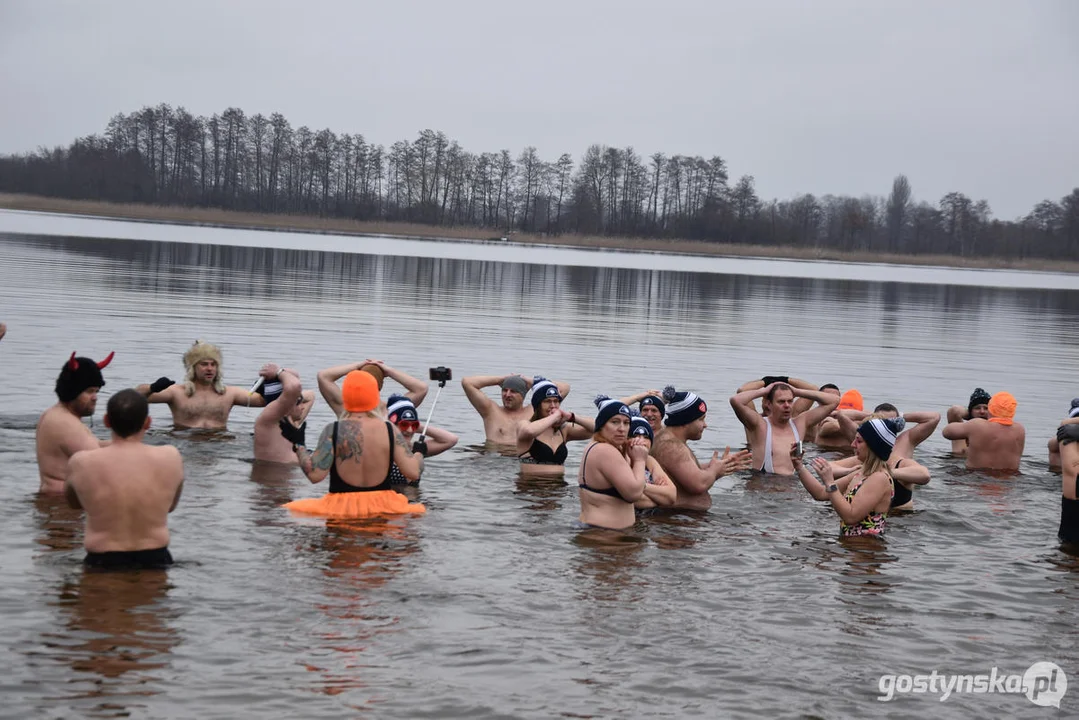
(3, 330)
(60, 432)
(500, 421)
(977, 407)
(771, 438)
(800, 405)
(127, 489)
(834, 431)
(415, 390)
(291, 406)
(686, 421)
(203, 401)
(993, 444)
(1067, 438)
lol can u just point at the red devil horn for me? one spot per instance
(105, 363)
(73, 363)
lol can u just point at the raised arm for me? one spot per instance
(926, 423)
(283, 404)
(473, 387)
(744, 409)
(409, 463)
(415, 389)
(628, 480)
(327, 385)
(439, 441)
(527, 431)
(826, 403)
(637, 397)
(580, 427)
(801, 404)
(957, 430)
(849, 420)
(908, 471)
(863, 502)
(162, 390)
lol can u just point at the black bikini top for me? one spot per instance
(610, 491)
(540, 453)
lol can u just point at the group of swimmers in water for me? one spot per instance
(637, 457)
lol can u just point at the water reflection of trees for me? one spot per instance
(263, 272)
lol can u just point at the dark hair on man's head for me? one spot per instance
(829, 386)
(127, 411)
(777, 388)
(886, 407)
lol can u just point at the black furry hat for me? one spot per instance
(78, 374)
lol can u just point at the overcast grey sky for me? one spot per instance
(821, 96)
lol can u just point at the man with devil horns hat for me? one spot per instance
(203, 400)
(60, 430)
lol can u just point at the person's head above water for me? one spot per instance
(851, 400)
(359, 392)
(127, 413)
(639, 426)
(1002, 408)
(612, 420)
(78, 382)
(685, 409)
(202, 364)
(878, 437)
(545, 397)
(402, 413)
(652, 409)
(978, 407)
(514, 389)
(779, 402)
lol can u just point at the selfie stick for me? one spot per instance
(441, 384)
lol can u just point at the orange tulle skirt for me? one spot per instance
(356, 505)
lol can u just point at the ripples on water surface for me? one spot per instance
(491, 605)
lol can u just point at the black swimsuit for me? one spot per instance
(1069, 520)
(337, 485)
(903, 494)
(540, 453)
(610, 491)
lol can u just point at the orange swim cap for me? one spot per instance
(375, 371)
(359, 392)
(851, 400)
(1002, 408)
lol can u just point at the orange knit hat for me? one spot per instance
(851, 400)
(359, 392)
(1002, 408)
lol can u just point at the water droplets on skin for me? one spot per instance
(491, 604)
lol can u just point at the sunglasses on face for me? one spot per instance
(409, 426)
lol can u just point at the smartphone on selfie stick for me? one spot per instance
(441, 375)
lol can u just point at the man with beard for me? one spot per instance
(500, 421)
(685, 421)
(203, 400)
(771, 437)
(60, 431)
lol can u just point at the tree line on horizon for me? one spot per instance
(233, 161)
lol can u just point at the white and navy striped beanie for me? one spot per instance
(682, 407)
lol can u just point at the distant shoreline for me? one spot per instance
(340, 226)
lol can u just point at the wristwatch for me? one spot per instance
(831, 488)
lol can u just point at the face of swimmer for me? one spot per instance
(206, 371)
(511, 399)
(980, 411)
(616, 430)
(550, 406)
(85, 402)
(695, 429)
(861, 450)
(654, 417)
(642, 439)
(782, 404)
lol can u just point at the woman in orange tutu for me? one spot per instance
(357, 452)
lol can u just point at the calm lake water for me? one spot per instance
(491, 604)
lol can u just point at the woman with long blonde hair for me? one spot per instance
(863, 497)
